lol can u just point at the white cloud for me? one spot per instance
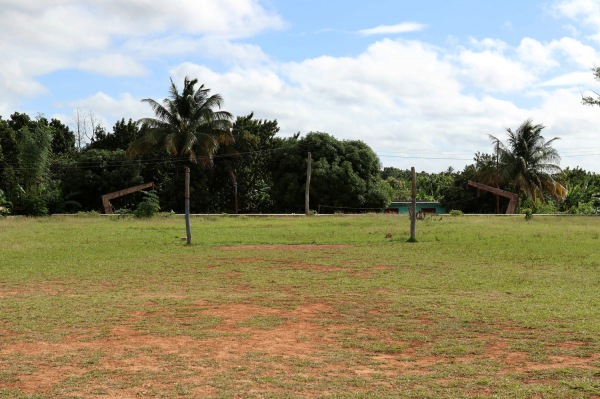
(493, 71)
(572, 79)
(227, 18)
(405, 97)
(212, 47)
(576, 126)
(556, 53)
(404, 27)
(113, 65)
(13, 79)
(495, 45)
(115, 37)
(537, 55)
(586, 10)
(575, 52)
(109, 109)
(232, 53)
(585, 13)
(399, 96)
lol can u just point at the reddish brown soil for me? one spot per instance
(125, 362)
(300, 337)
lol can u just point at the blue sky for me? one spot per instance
(422, 82)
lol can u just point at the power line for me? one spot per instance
(103, 163)
(424, 157)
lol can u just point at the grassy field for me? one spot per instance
(319, 307)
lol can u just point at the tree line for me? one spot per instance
(241, 165)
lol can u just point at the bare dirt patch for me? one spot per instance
(129, 352)
(302, 247)
(308, 266)
(127, 362)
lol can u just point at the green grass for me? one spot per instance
(318, 307)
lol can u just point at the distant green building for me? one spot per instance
(422, 206)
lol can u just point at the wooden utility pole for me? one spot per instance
(413, 207)
(307, 189)
(188, 230)
(235, 190)
(235, 197)
(497, 176)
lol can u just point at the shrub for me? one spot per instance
(149, 206)
(538, 206)
(34, 204)
(456, 212)
(528, 213)
(584, 208)
(5, 205)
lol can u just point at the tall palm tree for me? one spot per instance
(185, 125)
(530, 162)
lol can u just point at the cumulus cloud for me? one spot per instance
(108, 108)
(399, 96)
(404, 98)
(493, 71)
(407, 98)
(115, 37)
(228, 18)
(113, 65)
(585, 13)
(536, 55)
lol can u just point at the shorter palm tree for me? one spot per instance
(185, 125)
(530, 162)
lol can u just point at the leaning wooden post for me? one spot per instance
(188, 230)
(307, 190)
(413, 207)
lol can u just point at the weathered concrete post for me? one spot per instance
(188, 230)
(413, 207)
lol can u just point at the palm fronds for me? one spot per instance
(185, 124)
(530, 162)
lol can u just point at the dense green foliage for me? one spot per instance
(244, 167)
(256, 172)
(583, 192)
(591, 100)
(122, 135)
(345, 175)
(527, 165)
(100, 172)
(430, 186)
(529, 162)
(149, 206)
(241, 179)
(5, 205)
(29, 149)
(186, 125)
